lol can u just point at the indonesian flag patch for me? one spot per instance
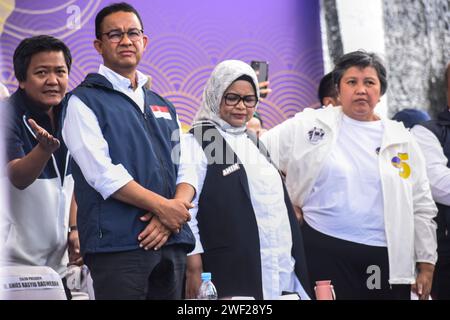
(161, 112)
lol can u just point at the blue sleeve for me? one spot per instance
(14, 141)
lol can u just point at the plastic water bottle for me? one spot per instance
(207, 289)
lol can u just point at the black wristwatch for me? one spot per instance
(73, 228)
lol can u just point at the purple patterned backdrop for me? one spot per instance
(187, 39)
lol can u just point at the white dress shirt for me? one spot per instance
(84, 139)
(267, 198)
(436, 162)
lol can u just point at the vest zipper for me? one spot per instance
(158, 155)
(149, 130)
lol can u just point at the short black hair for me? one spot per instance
(113, 8)
(33, 45)
(361, 59)
(326, 87)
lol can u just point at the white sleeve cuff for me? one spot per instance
(197, 250)
(193, 163)
(112, 180)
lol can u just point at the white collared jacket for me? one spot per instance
(300, 145)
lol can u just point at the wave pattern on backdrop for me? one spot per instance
(187, 39)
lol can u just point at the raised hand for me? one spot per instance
(264, 89)
(46, 141)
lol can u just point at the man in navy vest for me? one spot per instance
(133, 234)
(434, 138)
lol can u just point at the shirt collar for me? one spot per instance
(119, 82)
(21, 100)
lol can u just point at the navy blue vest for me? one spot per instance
(143, 144)
(228, 227)
(441, 129)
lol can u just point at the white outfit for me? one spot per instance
(300, 147)
(267, 198)
(36, 229)
(352, 165)
(436, 161)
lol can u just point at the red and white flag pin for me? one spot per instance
(161, 112)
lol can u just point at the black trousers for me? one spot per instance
(357, 271)
(138, 274)
(441, 279)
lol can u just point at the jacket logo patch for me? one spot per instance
(315, 135)
(230, 169)
(399, 163)
(161, 112)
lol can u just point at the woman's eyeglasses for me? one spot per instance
(232, 100)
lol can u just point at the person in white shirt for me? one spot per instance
(246, 231)
(434, 139)
(40, 183)
(362, 185)
(122, 136)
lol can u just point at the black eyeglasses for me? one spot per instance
(116, 36)
(232, 100)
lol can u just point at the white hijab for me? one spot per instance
(223, 75)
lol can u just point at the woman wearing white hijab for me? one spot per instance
(246, 231)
